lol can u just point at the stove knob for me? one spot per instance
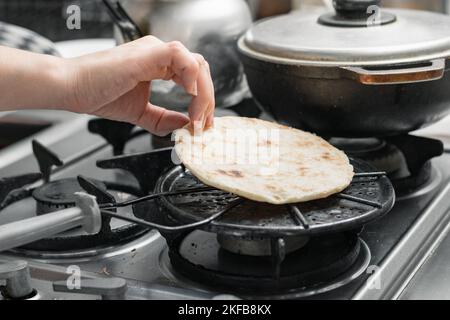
(107, 288)
(18, 280)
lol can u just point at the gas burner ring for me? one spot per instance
(58, 194)
(251, 285)
(258, 246)
(430, 186)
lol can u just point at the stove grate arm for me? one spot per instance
(163, 228)
(108, 206)
(359, 200)
(369, 174)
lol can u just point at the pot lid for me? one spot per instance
(403, 36)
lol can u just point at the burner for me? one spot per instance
(222, 240)
(74, 242)
(385, 157)
(325, 262)
(59, 194)
(257, 246)
(408, 169)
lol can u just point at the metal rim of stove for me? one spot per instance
(299, 225)
(80, 256)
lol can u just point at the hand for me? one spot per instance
(115, 84)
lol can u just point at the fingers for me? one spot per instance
(202, 106)
(167, 61)
(210, 116)
(173, 61)
(161, 121)
(184, 66)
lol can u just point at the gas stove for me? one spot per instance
(210, 245)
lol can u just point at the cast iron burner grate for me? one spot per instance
(187, 200)
(368, 197)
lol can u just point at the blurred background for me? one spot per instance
(47, 17)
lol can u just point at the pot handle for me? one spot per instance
(400, 74)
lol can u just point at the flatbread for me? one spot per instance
(263, 161)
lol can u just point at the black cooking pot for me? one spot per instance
(351, 74)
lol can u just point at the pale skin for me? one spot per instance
(113, 84)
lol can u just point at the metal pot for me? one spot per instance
(351, 73)
(139, 10)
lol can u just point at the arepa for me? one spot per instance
(264, 161)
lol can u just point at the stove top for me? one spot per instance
(376, 262)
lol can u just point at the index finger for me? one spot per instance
(202, 104)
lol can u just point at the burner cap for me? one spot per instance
(59, 194)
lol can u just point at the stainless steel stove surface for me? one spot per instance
(402, 244)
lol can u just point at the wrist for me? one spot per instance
(62, 74)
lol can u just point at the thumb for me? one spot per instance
(161, 121)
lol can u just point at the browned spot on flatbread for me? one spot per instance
(303, 170)
(324, 144)
(327, 156)
(304, 143)
(231, 173)
(271, 187)
(265, 143)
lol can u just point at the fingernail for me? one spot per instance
(210, 122)
(199, 125)
(204, 118)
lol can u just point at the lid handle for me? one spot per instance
(357, 13)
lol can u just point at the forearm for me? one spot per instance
(29, 80)
(113, 84)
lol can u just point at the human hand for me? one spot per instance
(115, 84)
